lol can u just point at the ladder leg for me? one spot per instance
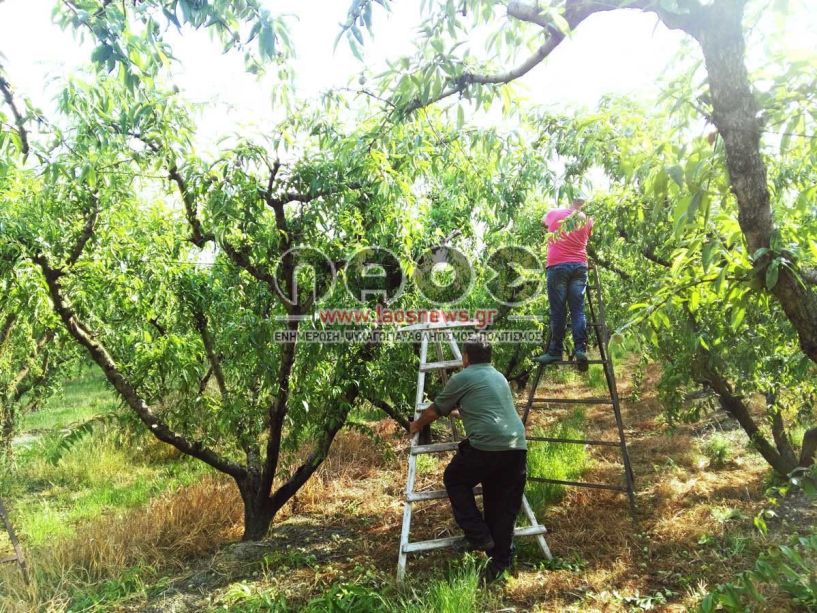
(609, 375)
(402, 557)
(540, 538)
(532, 393)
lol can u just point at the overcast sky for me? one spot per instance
(624, 52)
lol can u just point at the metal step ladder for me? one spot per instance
(426, 332)
(18, 551)
(596, 322)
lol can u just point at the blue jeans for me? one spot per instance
(566, 287)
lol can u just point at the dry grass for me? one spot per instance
(190, 522)
(344, 482)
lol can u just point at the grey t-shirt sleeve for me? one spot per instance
(451, 394)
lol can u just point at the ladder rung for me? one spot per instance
(423, 406)
(573, 400)
(447, 365)
(433, 448)
(597, 486)
(9, 559)
(577, 441)
(453, 540)
(435, 495)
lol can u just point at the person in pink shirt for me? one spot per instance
(568, 232)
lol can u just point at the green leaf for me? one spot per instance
(266, 41)
(677, 174)
(772, 274)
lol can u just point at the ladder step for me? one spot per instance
(435, 495)
(433, 448)
(576, 441)
(453, 540)
(572, 401)
(446, 365)
(7, 560)
(597, 486)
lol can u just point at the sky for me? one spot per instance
(622, 52)
(37, 55)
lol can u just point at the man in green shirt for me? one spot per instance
(493, 454)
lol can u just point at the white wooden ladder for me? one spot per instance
(426, 331)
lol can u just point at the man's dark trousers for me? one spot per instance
(502, 475)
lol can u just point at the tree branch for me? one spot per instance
(575, 12)
(809, 448)
(86, 234)
(5, 330)
(198, 236)
(602, 263)
(779, 435)
(19, 120)
(117, 379)
(201, 324)
(646, 251)
(389, 410)
(316, 458)
(277, 412)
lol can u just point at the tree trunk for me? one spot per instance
(809, 448)
(719, 30)
(7, 434)
(258, 510)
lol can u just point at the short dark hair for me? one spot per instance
(478, 349)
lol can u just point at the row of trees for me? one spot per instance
(172, 271)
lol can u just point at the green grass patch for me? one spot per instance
(555, 460)
(596, 379)
(81, 398)
(55, 485)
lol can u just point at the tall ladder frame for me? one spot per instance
(411, 497)
(15, 543)
(595, 304)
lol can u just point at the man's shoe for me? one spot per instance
(547, 358)
(581, 360)
(467, 544)
(492, 576)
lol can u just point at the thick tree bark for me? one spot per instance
(809, 448)
(779, 434)
(719, 30)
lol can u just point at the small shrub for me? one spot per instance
(718, 450)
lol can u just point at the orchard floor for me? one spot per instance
(692, 530)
